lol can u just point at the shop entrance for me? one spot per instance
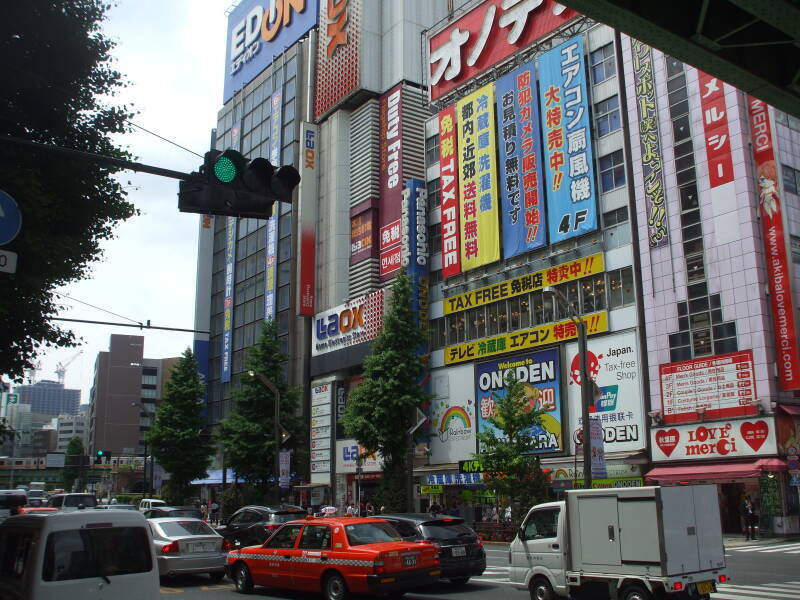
(730, 499)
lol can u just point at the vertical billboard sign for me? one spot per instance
(571, 204)
(480, 231)
(271, 230)
(772, 230)
(338, 54)
(415, 247)
(650, 141)
(391, 177)
(520, 167)
(321, 429)
(448, 178)
(227, 323)
(715, 128)
(308, 201)
(258, 30)
(613, 365)
(540, 374)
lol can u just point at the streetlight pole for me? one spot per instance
(276, 429)
(585, 386)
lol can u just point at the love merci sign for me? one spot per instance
(715, 440)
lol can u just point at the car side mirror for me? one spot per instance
(521, 533)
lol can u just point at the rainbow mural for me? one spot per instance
(454, 412)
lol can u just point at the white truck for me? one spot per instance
(622, 543)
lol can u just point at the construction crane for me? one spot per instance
(61, 368)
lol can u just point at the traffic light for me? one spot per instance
(100, 455)
(228, 184)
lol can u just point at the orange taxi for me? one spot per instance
(335, 556)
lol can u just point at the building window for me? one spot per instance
(602, 63)
(434, 239)
(432, 149)
(791, 179)
(615, 217)
(612, 171)
(434, 193)
(620, 288)
(607, 117)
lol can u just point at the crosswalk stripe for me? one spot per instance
(783, 548)
(755, 591)
(763, 547)
(791, 586)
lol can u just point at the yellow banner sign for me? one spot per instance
(478, 194)
(522, 340)
(431, 489)
(531, 282)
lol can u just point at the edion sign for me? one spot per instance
(486, 35)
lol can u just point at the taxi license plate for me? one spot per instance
(410, 560)
(459, 551)
(706, 587)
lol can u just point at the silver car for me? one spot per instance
(184, 545)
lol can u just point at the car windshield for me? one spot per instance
(75, 500)
(287, 515)
(184, 528)
(359, 534)
(442, 530)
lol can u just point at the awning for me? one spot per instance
(715, 471)
(790, 409)
(309, 486)
(215, 477)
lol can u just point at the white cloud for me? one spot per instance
(172, 52)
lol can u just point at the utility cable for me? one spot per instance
(98, 308)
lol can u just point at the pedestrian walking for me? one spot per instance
(214, 512)
(204, 511)
(750, 518)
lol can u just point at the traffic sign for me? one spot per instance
(8, 261)
(10, 219)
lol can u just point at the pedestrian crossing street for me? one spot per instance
(788, 590)
(793, 548)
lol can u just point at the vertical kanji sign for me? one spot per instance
(520, 162)
(448, 178)
(571, 203)
(480, 235)
(715, 129)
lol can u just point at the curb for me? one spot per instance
(739, 543)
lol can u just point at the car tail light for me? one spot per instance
(270, 527)
(171, 548)
(378, 566)
(429, 543)
(677, 586)
(436, 560)
(228, 545)
(723, 578)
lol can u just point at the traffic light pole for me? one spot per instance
(101, 159)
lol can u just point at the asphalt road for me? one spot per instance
(768, 571)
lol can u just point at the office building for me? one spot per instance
(49, 398)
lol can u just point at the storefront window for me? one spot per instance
(525, 311)
(593, 291)
(502, 316)
(476, 323)
(491, 317)
(513, 313)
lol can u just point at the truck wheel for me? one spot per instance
(636, 592)
(542, 590)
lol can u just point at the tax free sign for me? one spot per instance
(259, 31)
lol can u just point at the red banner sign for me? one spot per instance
(719, 387)
(448, 178)
(487, 35)
(778, 275)
(715, 127)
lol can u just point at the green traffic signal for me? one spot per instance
(99, 453)
(229, 165)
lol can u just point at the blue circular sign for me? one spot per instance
(10, 218)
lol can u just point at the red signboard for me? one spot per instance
(715, 127)
(338, 53)
(391, 162)
(448, 178)
(721, 387)
(778, 274)
(391, 261)
(487, 35)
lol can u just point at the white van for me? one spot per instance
(147, 503)
(91, 554)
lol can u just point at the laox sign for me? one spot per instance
(349, 318)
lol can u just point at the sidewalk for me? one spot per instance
(737, 541)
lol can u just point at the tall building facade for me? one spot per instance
(539, 168)
(70, 426)
(49, 398)
(124, 396)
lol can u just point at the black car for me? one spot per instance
(252, 525)
(461, 553)
(171, 511)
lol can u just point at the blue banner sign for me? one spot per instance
(571, 194)
(227, 325)
(271, 244)
(521, 183)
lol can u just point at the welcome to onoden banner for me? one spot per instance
(480, 229)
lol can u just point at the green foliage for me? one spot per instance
(130, 498)
(382, 408)
(57, 89)
(71, 473)
(175, 438)
(231, 500)
(247, 435)
(510, 468)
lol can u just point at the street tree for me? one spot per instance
(175, 438)
(58, 89)
(247, 435)
(72, 471)
(381, 409)
(507, 460)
